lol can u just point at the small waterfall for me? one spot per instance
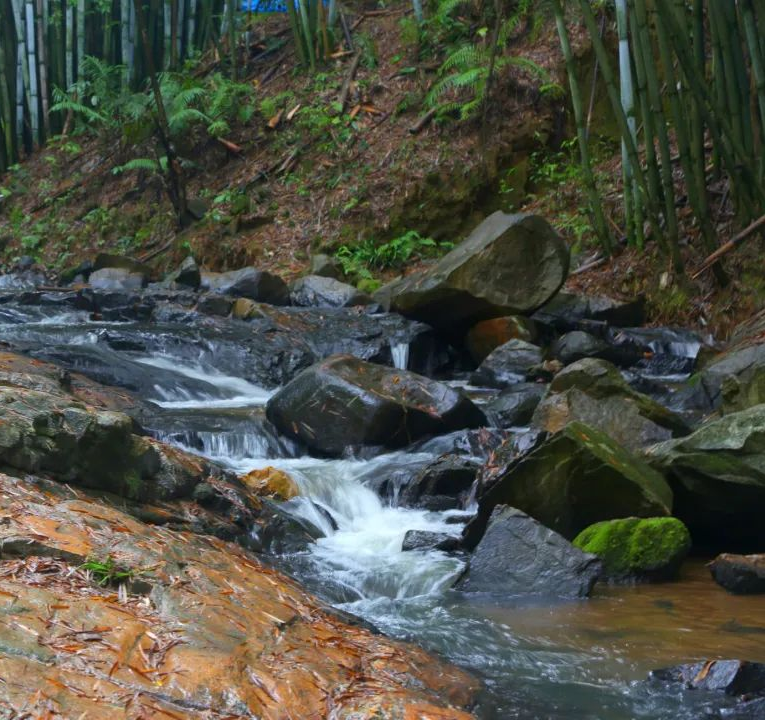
(400, 354)
(231, 448)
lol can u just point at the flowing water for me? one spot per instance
(540, 659)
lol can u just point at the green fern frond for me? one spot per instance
(468, 56)
(137, 164)
(218, 128)
(183, 119)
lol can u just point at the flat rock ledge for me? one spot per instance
(199, 628)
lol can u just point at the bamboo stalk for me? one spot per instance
(6, 108)
(232, 43)
(125, 38)
(596, 204)
(43, 62)
(34, 96)
(757, 58)
(307, 33)
(80, 36)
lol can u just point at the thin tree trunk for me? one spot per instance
(125, 38)
(80, 36)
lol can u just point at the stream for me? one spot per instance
(552, 660)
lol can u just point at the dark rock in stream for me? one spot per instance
(732, 677)
(515, 405)
(324, 292)
(519, 556)
(22, 280)
(568, 311)
(442, 484)
(187, 275)
(344, 402)
(423, 540)
(509, 364)
(510, 264)
(577, 344)
(739, 574)
(250, 283)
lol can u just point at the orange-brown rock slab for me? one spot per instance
(204, 631)
(271, 482)
(488, 335)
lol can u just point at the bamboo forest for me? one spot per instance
(382, 359)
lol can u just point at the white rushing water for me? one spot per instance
(231, 392)
(400, 354)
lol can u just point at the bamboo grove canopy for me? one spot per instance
(687, 90)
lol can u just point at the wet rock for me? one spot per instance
(578, 344)
(116, 279)
(325, 266)
(324, 292)
(209, 625)
(478, 444)
(424, 540)
(658, 351)
(747, 710)
(739, 574)
(519, 556)
(445, 483)
(600, 380)
(272, 482)
(22, 280)
(510, 264)
(735, 381)
(573, 479)
(567, 311)
(250, 283)
(637, 548)
(620, 417)
(122, 262)
(509, 364)
(718, 477)
(732, 677)
(487, 335)
(187, 274)
(81, 271)
(368, 405)
(515, 405)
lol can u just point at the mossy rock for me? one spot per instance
(637, 548)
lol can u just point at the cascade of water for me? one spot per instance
(400, 355)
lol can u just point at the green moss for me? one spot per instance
(134, 484)
(651, 548)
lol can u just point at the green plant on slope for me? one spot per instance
(106, 571)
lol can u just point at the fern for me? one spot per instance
(139, 164)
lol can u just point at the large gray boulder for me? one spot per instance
(116, 279)
(736, 380)
(248, 282)
(573, 479)
(509, 364)
(718, 477)
(514, 406)
(519, 556)
(510, 264)
(325, 292)
(343, 402)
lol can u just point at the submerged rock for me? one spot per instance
(519, 556)
(488, 335)
(739, 574)
(509, 364)
(325, 292)
(575, 478)
(508, 265)
(344, 402)
(637, 548)
(718, 477)
(248, 282)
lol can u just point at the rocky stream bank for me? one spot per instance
(215, 488)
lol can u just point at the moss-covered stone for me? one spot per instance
(637, 548)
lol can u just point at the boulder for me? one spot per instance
(343, 402)
(573, 479)
(187, 274)
(122, 262)
(600, 380)
(487, 335)
(739, 574)
(718, 477)
(325, 292)
(508, 265)
(22, 280)
(618, 416)
(424, 540)
(519, 556)
(515, 405)
(116, 279)
(325, 266)
(569, 311)
(249, 283)
(271, 482)
(444, 483)
(732, 677)
(578, 344)
(736, 380)
(637, 548)
(509, 364)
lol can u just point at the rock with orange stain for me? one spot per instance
(271, 482)
(203, 630)
(488, 335)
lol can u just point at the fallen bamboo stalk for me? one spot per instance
(423, 121)
(731, 245)
(346, 89)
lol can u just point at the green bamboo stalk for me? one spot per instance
(645, 55)
(6, 103)
(596, 204)
(181, 26)
(296, 32)
(307, 33)
(735, 50)
(757, 58)
(632, 202)
(717, 121)
(232, 39)
(80, 41)
(604, 60)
